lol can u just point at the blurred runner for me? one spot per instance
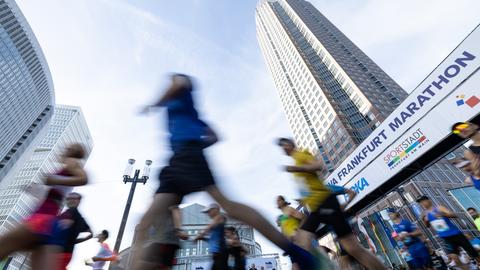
(67, 228)
(439, 219)
(216, 240)
(323, 206)
(104, 255)
(290, 219)
(468, 166)
(35, 232)
(471, 131)
(409, 234)
(163, 242)
(188, 171)
(235, 248)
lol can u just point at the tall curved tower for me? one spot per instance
(26, 88)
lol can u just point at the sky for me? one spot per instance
(111, 57)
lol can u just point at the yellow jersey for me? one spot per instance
(289, 225)
(312, 189)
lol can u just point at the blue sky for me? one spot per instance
(110, 57)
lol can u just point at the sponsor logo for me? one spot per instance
(360, 185)
(405, 149)
(471, 101)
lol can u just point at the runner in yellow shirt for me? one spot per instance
(323, 206)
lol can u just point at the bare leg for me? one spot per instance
(250, 217)
(304, 239)
(158, 209)
(363, 256)
(18, 239)
(46, 258)
(344, 262)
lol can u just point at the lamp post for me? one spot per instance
(134, 180)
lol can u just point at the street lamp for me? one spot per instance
(134, 180)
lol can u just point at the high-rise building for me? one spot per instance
(333, 94)
(26, 89)
(67, 126)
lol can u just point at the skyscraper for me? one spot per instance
(67, 126)
(333, 94)
(26, 88)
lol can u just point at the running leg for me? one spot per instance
(17, 239)
(160, 208)
(252, 218)
(363, 256)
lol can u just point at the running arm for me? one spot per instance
(446, 213)
(294, 213)
(351, 195)
(218, 220)
(83, 239)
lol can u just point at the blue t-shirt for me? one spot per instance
(442, 225)
(475, 181)
(216, 242)
(406, 226)
(184, 124)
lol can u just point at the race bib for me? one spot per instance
(439, 225)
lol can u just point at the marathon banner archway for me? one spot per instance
(450, 94)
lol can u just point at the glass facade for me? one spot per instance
(467, 197)
(26, 88)
(67, 126)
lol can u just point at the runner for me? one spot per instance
(409, 234)
(471, 131)
(439, 219)
(34, 233)
(216, 240)
(476, 218)
(235, 248)
(188, 171)
(323, 206)
(67, 227)
(467, 130)
(163, 242)
(290, 219)
(104, 255)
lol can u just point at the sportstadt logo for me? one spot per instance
(471, 101)
(405, 149)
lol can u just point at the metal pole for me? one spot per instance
(134, 181)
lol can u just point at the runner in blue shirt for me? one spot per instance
(409, 234)
(439, 219)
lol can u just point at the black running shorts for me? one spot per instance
(455, 242)
(187, 171)
(328, 213)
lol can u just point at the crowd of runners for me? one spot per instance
(50, 235)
